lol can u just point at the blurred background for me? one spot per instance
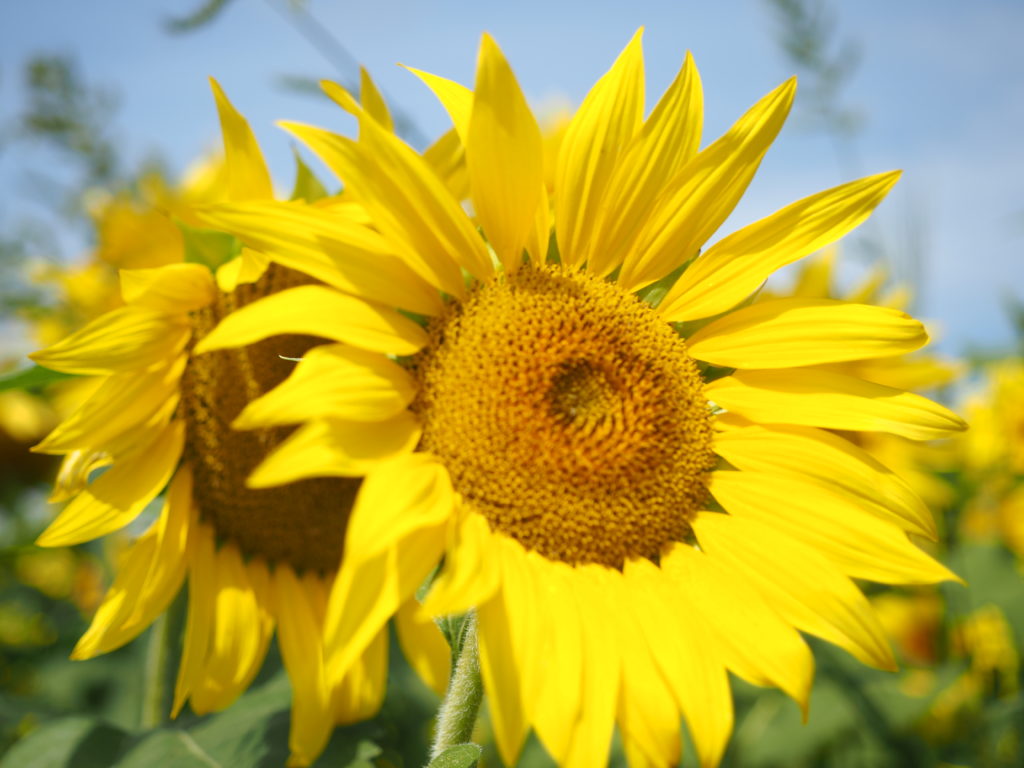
(106, 119)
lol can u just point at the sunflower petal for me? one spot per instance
(795, 332)
(149, 577)
(667, 141)
(332, 448)
(395, 538)
(332, 247)
(124, 339)
(688, 656)
(360, 693)
(800, 582)
(706, 191)
(860, 544)
(728, 604)
(118, 496)
(333, 381)
(734, 267)
(316, 310)
(471, 572)
(456, 98)
(246, 170)
(504, 155)
(199, 621)
(409, 204)
(236, 648)
(423, 646)
(595, 140)
(828, 458)
(818, 398)
(123, 403)
(174, 288)
(298, 635)
(373, 100)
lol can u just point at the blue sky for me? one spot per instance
(940, 85)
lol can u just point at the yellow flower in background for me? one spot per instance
(254, 560)
(991, 456)
(625, 508)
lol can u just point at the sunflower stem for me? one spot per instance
(457, 716)
(159, 665)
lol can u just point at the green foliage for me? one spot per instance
(208, 246)
(32, 379)
(459, 756)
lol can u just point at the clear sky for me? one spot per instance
(940, 86)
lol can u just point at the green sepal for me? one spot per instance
(33, 379)
(307, 185)
(208, 246)
(459, 756)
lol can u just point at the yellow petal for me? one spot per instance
(246, 170)
(792, 332)
(123, 403)
(237, 644)
(332, 448)
(800, 582)
(199, 621)
(729, 605)
(329, 245)
(333, 381)
(247, 267)
(504, 155)
(705, 191)
(667, 141)
(598, 592)
(423, 646)
(298, 636)
(596, 138)
(174, 288)
(360, 693)
(737, 265)
(559, 697)
(447, 157)
(149, 577)
(687, 654)
(118, 496)
(373, 100)
(471, 572)
(456, 98)
(409, 204)
(860, 544)
(820, 398)
(395, 537)
(124, 339)
(829, 459)
(316, 310)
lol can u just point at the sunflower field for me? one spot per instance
(613, 389)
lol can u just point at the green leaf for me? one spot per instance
(167, 749)
(33, 379)
(459, 756)
(307, 185)
(70, 742)
(208, 246)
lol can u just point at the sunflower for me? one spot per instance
(161, 418)
(627, 472)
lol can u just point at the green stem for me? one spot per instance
(457, 716)
(160, 663)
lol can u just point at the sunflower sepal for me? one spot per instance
(208, 246)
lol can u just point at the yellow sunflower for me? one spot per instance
(637, 485)
(161, 418)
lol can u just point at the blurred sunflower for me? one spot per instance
(624, 507)
(161, 418)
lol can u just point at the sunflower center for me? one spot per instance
(301, 523)
(569, 415)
